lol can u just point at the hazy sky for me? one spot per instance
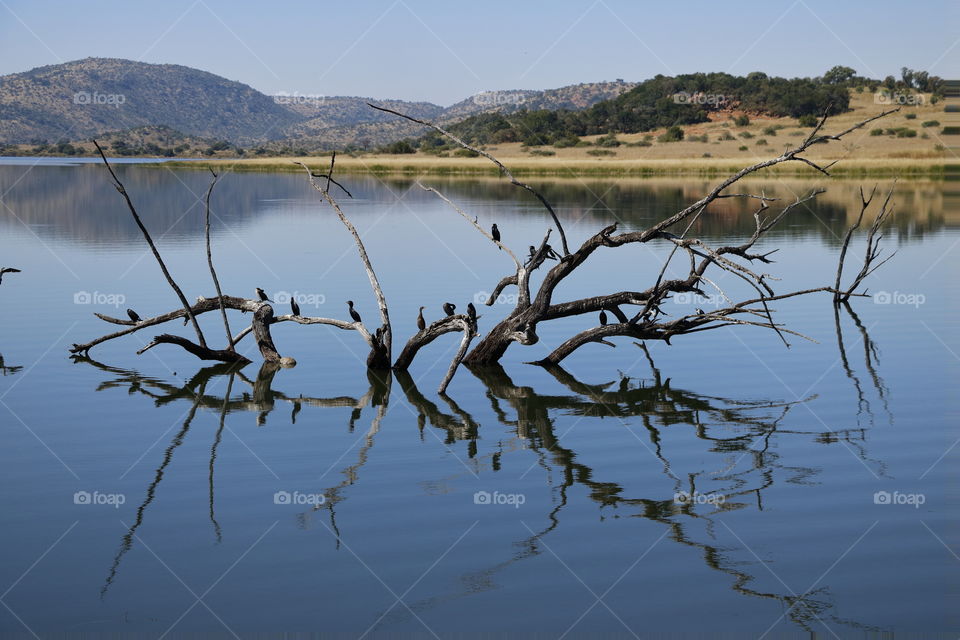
(444, 51)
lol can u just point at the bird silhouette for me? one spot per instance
(133, 315)
(294, 307)
(496, 234)
(472, 312)
(263, 296)
(449, 308)
(421, 323)
(353, 312)
(603, 318)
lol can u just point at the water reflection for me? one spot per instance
(736, 437)
(84, 207)
(8, 370)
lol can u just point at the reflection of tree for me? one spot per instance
(8, 370)
(728, 427)
(737, 434)
(262, 401)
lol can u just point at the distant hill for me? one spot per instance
(338, 122)
(80, 99)
(77, 100)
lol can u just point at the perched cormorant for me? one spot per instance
(472, 312)
(449, 308)
(353, 312)
(603, 318)
(495, 232)
(533, 252)
(133, 315)
(263, 296)
(699, 311)
(294, 307)
(421, 323)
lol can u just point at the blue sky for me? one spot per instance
(446, 51)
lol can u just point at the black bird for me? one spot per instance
(472, 312)
(353, 312)
(533, 252)
(449, 308)
(421, 323)
(699, 311)
(133, 315)
(263, 296)
(495, 232)
(603, 318)
(294, 307)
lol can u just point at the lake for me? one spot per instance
(723, 483)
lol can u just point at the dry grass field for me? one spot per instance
(726, 147)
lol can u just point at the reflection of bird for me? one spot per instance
(495, 233)
(449, 308)
(263, 296)
(472, 312)
(353, 312)
(294, 307)
(133, 315)
(603, 318)
(421, 323)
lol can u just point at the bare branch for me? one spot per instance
(156, 254)
(500, 165)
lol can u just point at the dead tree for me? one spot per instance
(638, 312)
(645, 319)
(381, 341)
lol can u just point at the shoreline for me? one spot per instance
(379, 165)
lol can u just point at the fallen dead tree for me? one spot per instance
(636, 313)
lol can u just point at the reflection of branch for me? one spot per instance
(213, 456)
(128, 539)
(5, 370)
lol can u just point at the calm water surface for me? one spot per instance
(823, 476)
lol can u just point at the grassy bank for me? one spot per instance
(606, 168)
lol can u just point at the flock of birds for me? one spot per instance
(448, 307)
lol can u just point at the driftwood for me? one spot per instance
(635, 313)
(382, 339)
(645, 321)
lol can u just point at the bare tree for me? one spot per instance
(638, 313)
(646, 320)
